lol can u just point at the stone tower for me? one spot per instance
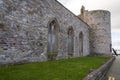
(100, 30)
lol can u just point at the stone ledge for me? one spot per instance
(100, 72)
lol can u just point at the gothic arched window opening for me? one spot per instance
(53, 37)
(52, 47)
(70, 41)
(81, 44)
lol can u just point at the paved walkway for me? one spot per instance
(114, 72)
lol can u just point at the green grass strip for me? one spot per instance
(68, 69)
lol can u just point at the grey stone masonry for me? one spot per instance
(24, 26)
(100, 30)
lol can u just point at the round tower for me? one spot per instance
(100, 31)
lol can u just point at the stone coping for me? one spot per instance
(100, 72)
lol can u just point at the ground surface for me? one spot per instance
(70, 69)
(114, 71)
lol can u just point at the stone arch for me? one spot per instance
(81, 43)
(53, 29)
(70, 44)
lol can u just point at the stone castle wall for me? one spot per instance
(100, 31)
(24, 30)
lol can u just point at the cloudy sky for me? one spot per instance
(112, 5)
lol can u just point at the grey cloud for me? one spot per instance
(116, 43)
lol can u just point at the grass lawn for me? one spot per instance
(69, 69)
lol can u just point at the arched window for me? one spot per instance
(81, 43)
(70, 41)
(52, 36)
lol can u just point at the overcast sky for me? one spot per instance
(111, 5)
